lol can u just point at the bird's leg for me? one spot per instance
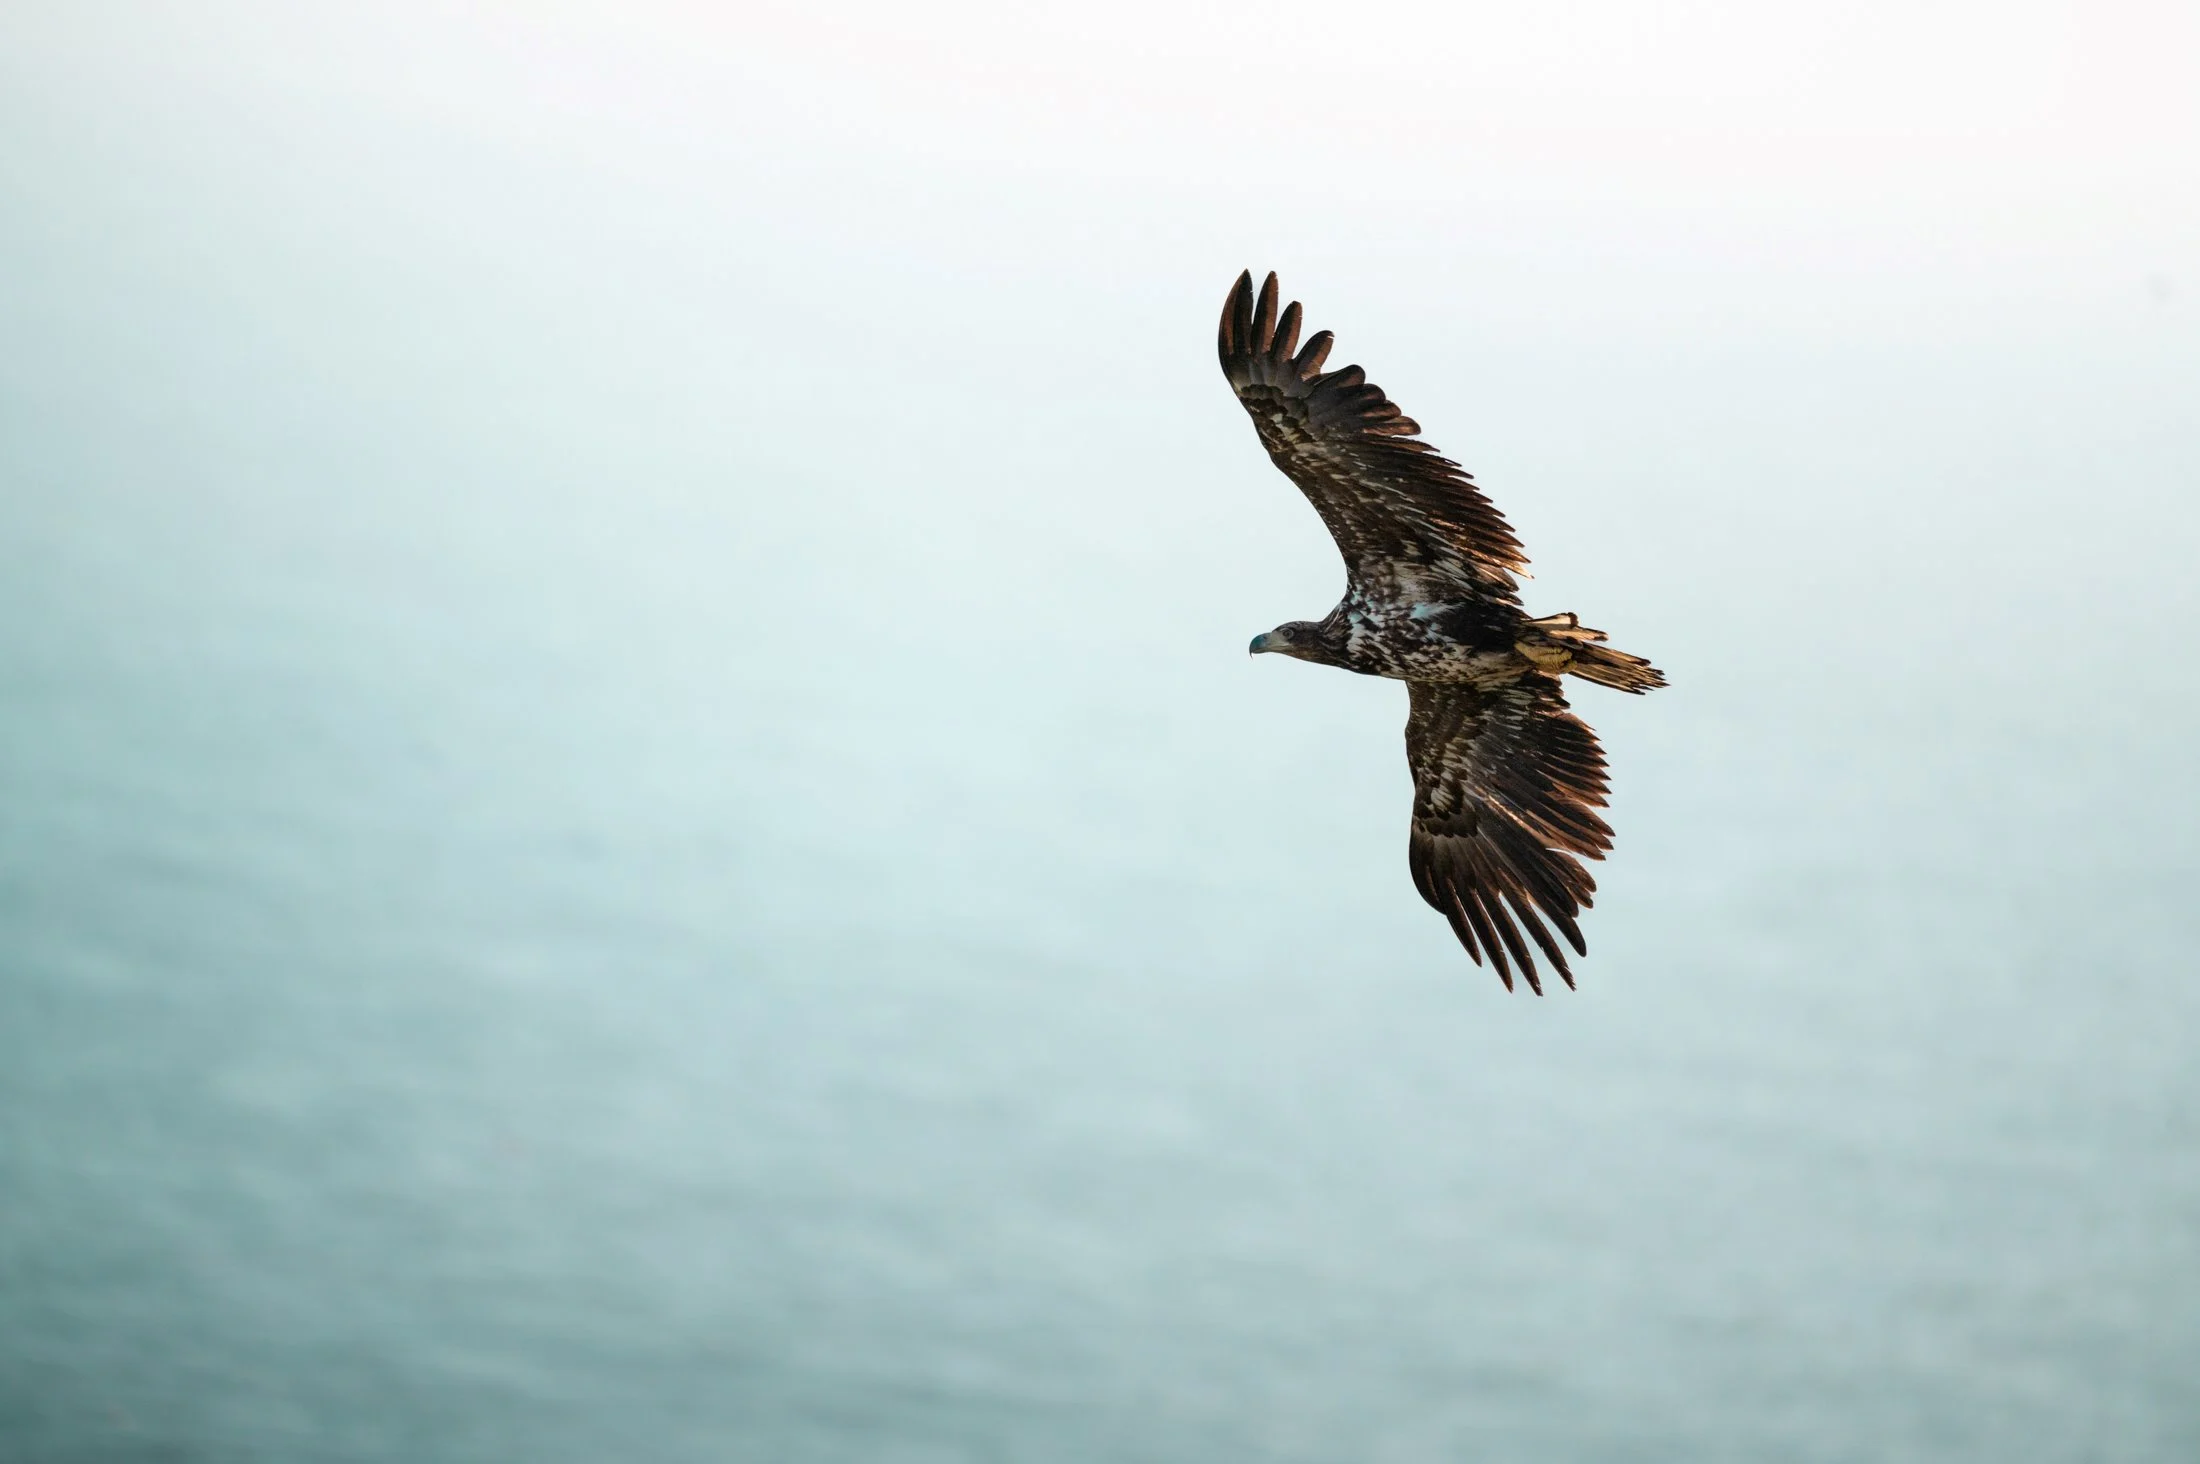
(1546, 656)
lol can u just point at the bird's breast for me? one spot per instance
(1422, 643)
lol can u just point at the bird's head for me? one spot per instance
(1301, 638)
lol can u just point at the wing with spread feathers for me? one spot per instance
(1400, 513)
(1505, 788)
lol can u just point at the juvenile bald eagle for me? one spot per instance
(1506, 781)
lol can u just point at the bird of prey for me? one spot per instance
(1506, 781)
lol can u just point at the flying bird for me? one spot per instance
(1506, 780)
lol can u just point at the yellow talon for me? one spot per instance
(1549, 658)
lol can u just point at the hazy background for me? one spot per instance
(634, 824)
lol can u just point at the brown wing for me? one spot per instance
(1396, 508)
(1505, 788)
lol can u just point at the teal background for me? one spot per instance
(634, 825)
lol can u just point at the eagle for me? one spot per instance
(1506, 780)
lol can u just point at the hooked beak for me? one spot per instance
(1260, 643)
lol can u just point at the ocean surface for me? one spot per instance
(634, 825)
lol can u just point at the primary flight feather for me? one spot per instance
(1506, 780)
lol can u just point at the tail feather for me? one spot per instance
(1616, 669)
(1562, 642)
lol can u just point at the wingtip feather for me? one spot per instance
(1264, 317)
(1237, 315)
(1287, 337)
(1309, 361)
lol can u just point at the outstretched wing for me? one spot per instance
(1505, 788)
(1398, 511)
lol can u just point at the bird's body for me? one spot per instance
(1505, 778)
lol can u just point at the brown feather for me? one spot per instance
(1505, 784)
(1237, 320)
(1309, 361)
(1287, 338)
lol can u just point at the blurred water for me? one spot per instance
(636, 827)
